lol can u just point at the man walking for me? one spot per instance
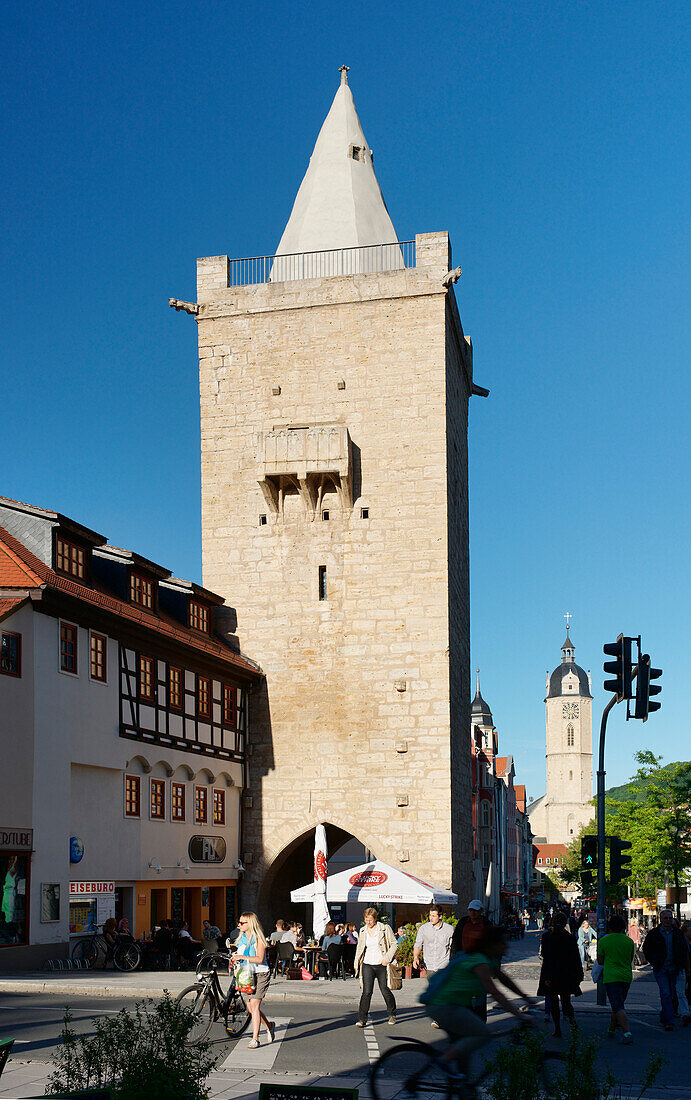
(469, 928)
(665, 950)
(433, 942)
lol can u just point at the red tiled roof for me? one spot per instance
(7, 606)
(550, 849)
(36, 573)
(14, 573)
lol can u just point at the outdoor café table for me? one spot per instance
(310, 955)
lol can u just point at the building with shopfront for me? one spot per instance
(124, 720)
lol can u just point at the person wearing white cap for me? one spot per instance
(469, 928)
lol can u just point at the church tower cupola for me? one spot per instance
(568, 651)
(480, 713)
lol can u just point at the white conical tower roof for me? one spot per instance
(339, 204)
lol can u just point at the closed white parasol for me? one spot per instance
(320, 912)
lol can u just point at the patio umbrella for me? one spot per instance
(492, 893)
(320, 910)
(374, 882)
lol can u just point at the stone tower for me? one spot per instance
(566, 805)
(335, 379)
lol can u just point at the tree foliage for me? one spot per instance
(658, 827)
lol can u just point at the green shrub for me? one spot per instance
(141, 1055)
(515, 1073)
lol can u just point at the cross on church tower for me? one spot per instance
(568, 616)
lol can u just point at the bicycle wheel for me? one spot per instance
(413, 1064)
(85, 951)
(199, 1000)
(127, 956)
(238, 1017)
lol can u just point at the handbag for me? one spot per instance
(307, 975)
(597, 971)
(394, 977)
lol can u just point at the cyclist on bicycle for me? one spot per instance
(449, 1000)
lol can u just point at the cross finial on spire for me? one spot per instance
(344, 70)
(478, 681)
(568, 616)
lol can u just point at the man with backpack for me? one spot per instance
(451, 993)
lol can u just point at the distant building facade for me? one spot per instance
(123, 727)
(502, 840)
(559, 814)
(335, 379)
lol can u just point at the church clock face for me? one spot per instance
(570, 710)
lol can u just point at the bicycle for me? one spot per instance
(208, 1003)
(423, 1072)
(126, 955)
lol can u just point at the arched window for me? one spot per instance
(569, 736)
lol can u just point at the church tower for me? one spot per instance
(557, 817)
(335, 379)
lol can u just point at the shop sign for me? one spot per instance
(207, 849)
(77, 888)
(19, 840)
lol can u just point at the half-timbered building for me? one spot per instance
(124, 720)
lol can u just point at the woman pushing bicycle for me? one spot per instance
(449, 997)
(251, 948)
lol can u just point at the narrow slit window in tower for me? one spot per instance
(569, 737)
(322, 582)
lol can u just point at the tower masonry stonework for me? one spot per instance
(334, 414)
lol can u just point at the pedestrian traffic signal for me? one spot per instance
(589, 853)
(621, 668)
(619, 863)
(644, 688)
(587, 879)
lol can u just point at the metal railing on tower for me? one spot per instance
(320, 265)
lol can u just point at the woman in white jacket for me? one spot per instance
(375, 950)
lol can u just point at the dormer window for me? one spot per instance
(199, 616)
(70, 559)
(141, 591)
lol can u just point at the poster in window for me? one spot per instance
(50, 902)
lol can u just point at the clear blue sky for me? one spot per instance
(550, 139)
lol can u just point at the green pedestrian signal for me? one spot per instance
(589, 853)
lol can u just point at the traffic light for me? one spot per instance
(619, 864)
(621, 668)
(644, 688)
(587, 880)
(589, 853)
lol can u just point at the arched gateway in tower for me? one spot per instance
(557, 817)
(335, 379)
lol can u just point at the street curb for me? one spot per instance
(93, 989)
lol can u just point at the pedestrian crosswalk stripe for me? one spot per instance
(372, 1044)
(263, 1056)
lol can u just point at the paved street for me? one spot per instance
(316, 1036)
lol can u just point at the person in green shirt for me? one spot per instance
(615, 953)
(474, 974)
